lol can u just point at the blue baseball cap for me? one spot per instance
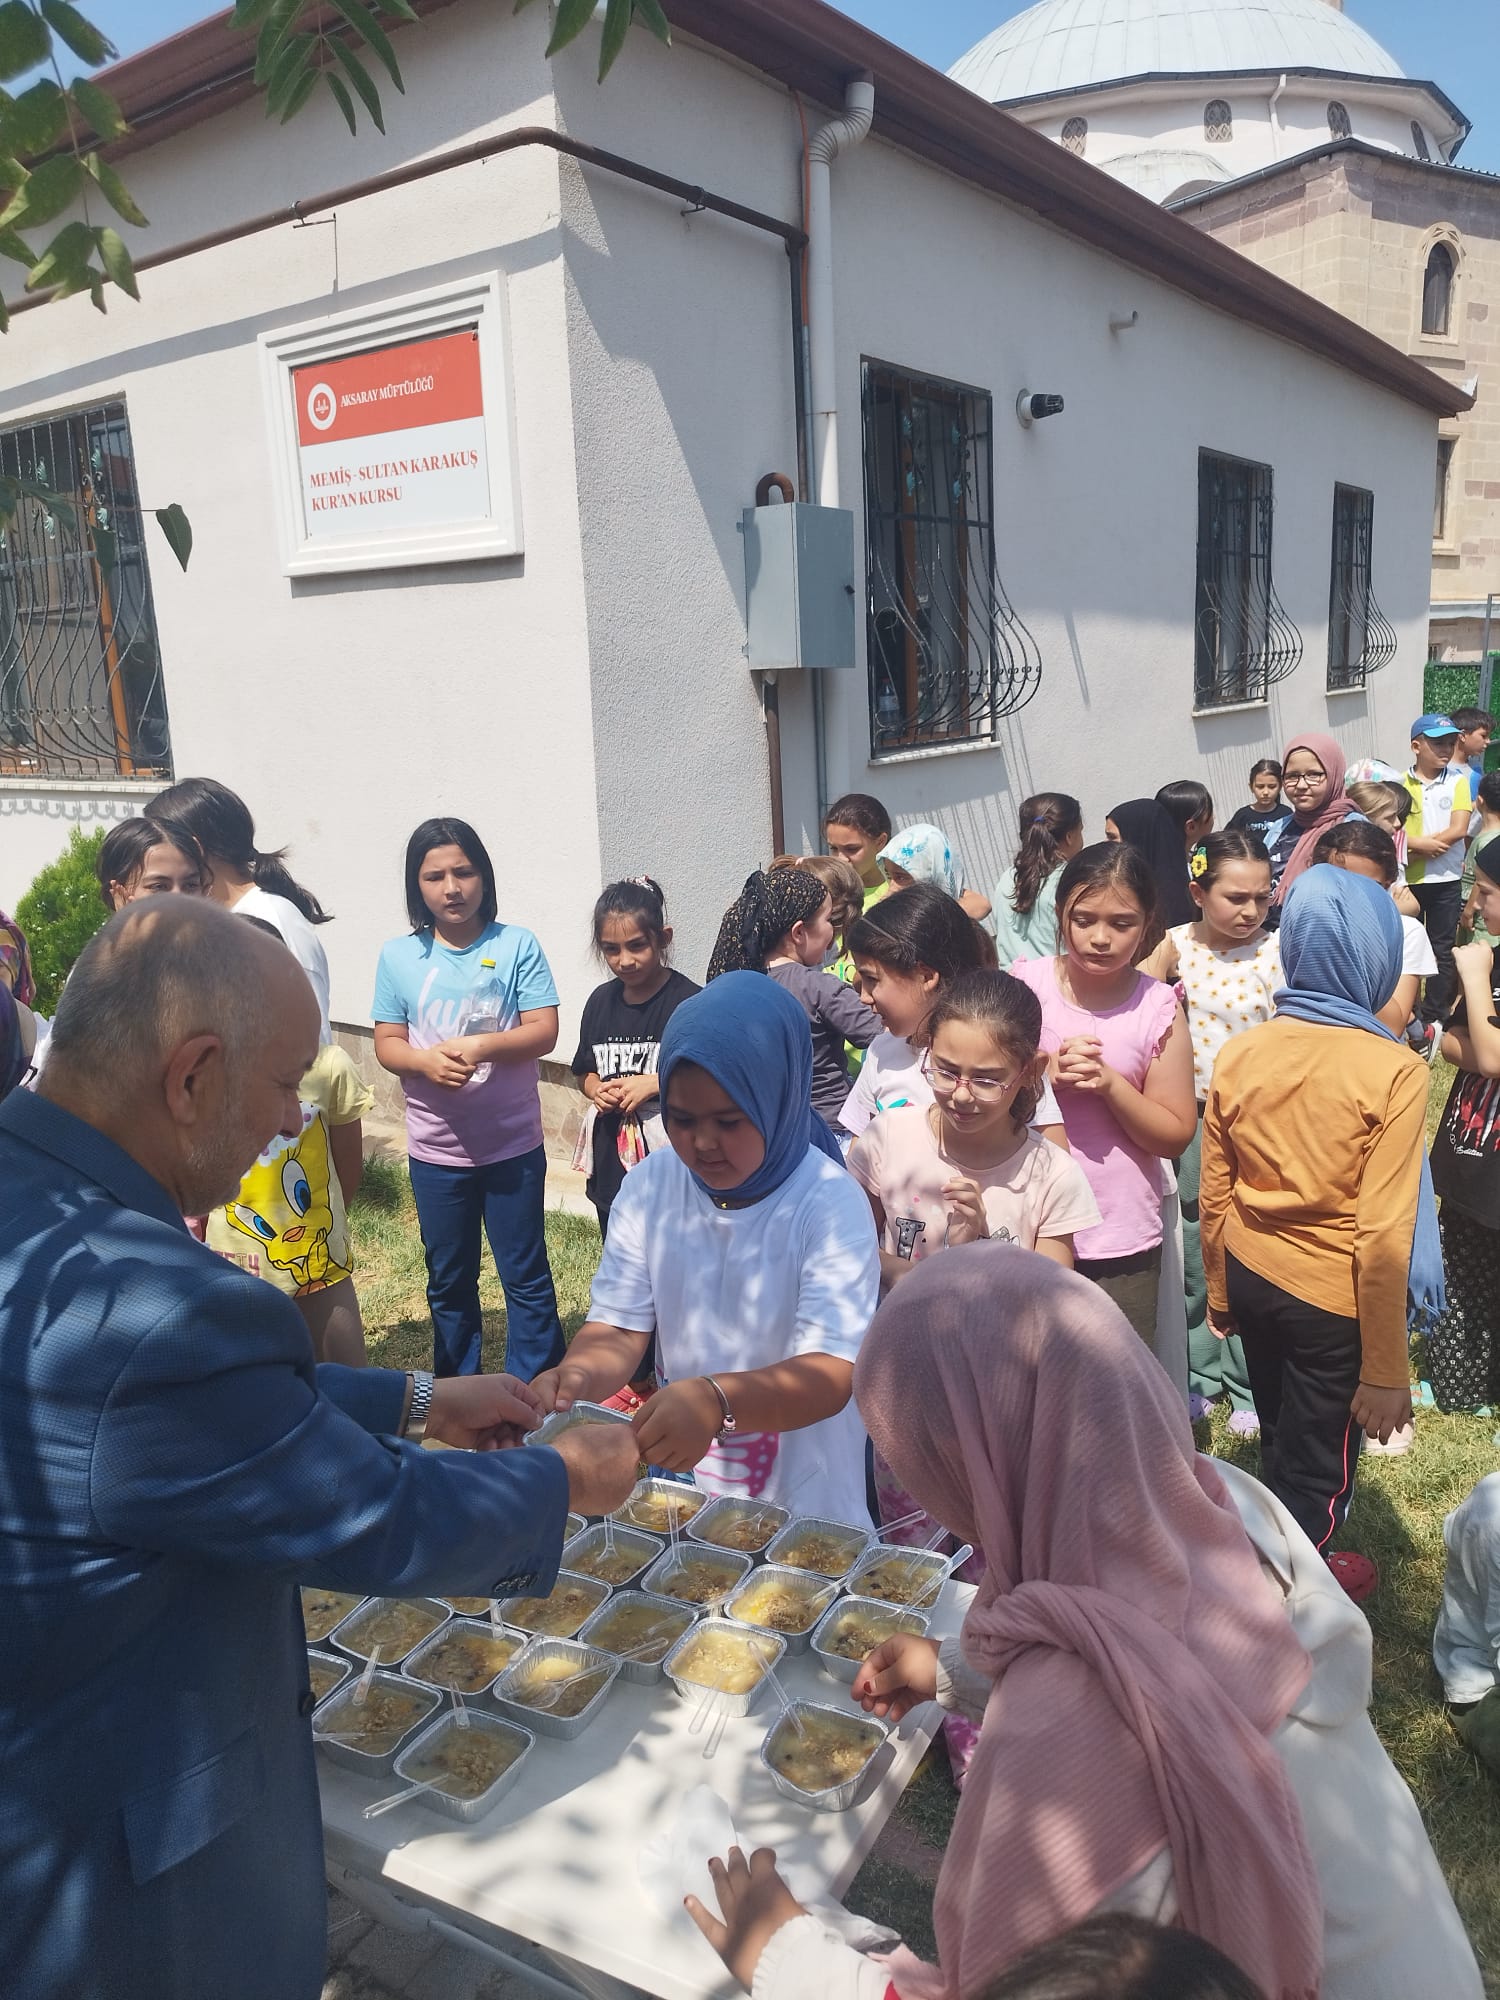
(1434, 725)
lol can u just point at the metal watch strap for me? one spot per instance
(728, 1427)
(415, 1427)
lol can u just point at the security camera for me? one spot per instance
(1031, 409)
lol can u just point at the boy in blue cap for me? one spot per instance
(1442, 793)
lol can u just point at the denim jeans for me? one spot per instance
(505, 1200)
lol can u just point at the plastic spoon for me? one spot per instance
(399, 1798)
(460, 1712)
(547, 1697)
(935, 1588)
(362, 1686)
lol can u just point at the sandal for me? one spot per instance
(1355, 1574)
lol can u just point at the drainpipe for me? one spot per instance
(1276, 133)
(839, 135)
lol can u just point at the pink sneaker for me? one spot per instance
(1244, 1424)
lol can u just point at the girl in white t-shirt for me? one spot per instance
(750, 1253)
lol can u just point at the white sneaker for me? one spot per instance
(1401, 1442)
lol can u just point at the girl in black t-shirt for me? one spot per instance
(622, 1026)
(1463, 1349)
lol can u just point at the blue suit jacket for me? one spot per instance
(172, 1465)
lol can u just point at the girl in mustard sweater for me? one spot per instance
(1317, 1210)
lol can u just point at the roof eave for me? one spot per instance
(1473, 177)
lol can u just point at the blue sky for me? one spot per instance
(1456, 43)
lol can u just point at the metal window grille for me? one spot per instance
(1419, 140)
(1361, 639)
(1437, 290)
(1244, 642)
(948, 655)
(80, 668)
(1075, 136)
(1445, 451)
(1218, 122)
(1338, 121)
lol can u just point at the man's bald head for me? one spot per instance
(187, 1026)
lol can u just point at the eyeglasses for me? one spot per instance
(945, 1080)
(1305, 778)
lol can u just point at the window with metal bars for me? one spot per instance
(948, 655)
(1075, 136)
(1244, 642)
(81, 691)
(1218, 122)
(1361, 639)
(1338, 121)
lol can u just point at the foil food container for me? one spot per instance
(643, 1673)
(658, 1488)
(770, 1645)
(926, 1568)
(327, 1659)
(726, 1513)
(347, 1636)
(834, 1798)
(590, 1585)
(410, 1761)
(412, 1666)
(856, 1540)
(543, 1721)
(802, 1581)
(338, 1713)
(641, 1547)
(687, 1552)
(567, 1420)
(835, 1665)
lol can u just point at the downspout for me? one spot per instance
(839, 135)
(1276, 133)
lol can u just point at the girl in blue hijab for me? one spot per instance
(750, 1253)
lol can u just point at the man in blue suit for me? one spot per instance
(173, 1465)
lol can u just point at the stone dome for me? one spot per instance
(1069, 44)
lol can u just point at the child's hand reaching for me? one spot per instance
(967, 1221)
(677, 1427)
(897, 1677)
(754, 1902)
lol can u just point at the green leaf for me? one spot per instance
(617, 19)
(64, 260)
(362, 19)
(80, 34)
(402, 9)
(342, 99)
(55, 185)
(104, 547)
(284, 72)
(53, 502)
(653, 18)
(35, 121)
(106, 119)
(14, 247)
(178, 530)
(96, 291)
(573, 16)
(250, 13)
(305, 85)
(116, 260)
(113, 189)
(24, 41)
(359, 76)
(280, 19)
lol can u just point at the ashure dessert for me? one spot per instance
(464, 1762)
(325, 1677)
(825, 1551)
(657, 1512)
(617, 1565)
(378, 1725)
(559, 1684)
(854, 1634)
(646, 1631)
(902, 1579)
(723, 1661)
(393, 1625)
(828, 1750)
(780, 1604)
(558, 1616)
(323, 1609)
(746, 1529)
(468, 1661)
(696, 1579)
(468, 1607)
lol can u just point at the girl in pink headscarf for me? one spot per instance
(1313, 775)
(1173, 1687)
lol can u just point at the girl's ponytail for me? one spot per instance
(220, 822)
(1046, 822)
(270, 872)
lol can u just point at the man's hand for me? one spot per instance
(677, 1427)
(603, 1462)
(967, 1221)
(1221, 1324)
(1379, 1412)
(755, 1903)
(445, 1065)
(897, 1677)
(482, 1412)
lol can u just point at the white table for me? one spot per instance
(555, 1862)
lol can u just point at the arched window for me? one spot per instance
(1419, 140)
(1437, 290)
(1338, 121)
(1218, 122)
(1075, 136)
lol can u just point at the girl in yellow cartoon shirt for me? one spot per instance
(288, 1224)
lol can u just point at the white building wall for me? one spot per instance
(345, 709)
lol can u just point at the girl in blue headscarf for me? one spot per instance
(1316, 1203)
(751, 1254)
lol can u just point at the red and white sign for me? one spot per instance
(392, 439)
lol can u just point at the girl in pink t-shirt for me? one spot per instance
(1122, 1064)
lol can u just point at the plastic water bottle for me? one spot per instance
(484, 1011)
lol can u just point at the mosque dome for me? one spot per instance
(1066, 45)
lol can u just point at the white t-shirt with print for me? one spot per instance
(891, 1075)
(1437, 800)
(300, 938)
(732, 1289)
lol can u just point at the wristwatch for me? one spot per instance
(728, 1426)
(415, 1427)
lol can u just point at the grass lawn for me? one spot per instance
(1397, 1519)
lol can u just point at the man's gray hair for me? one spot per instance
(161, 970)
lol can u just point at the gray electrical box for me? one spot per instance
(799, 586)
